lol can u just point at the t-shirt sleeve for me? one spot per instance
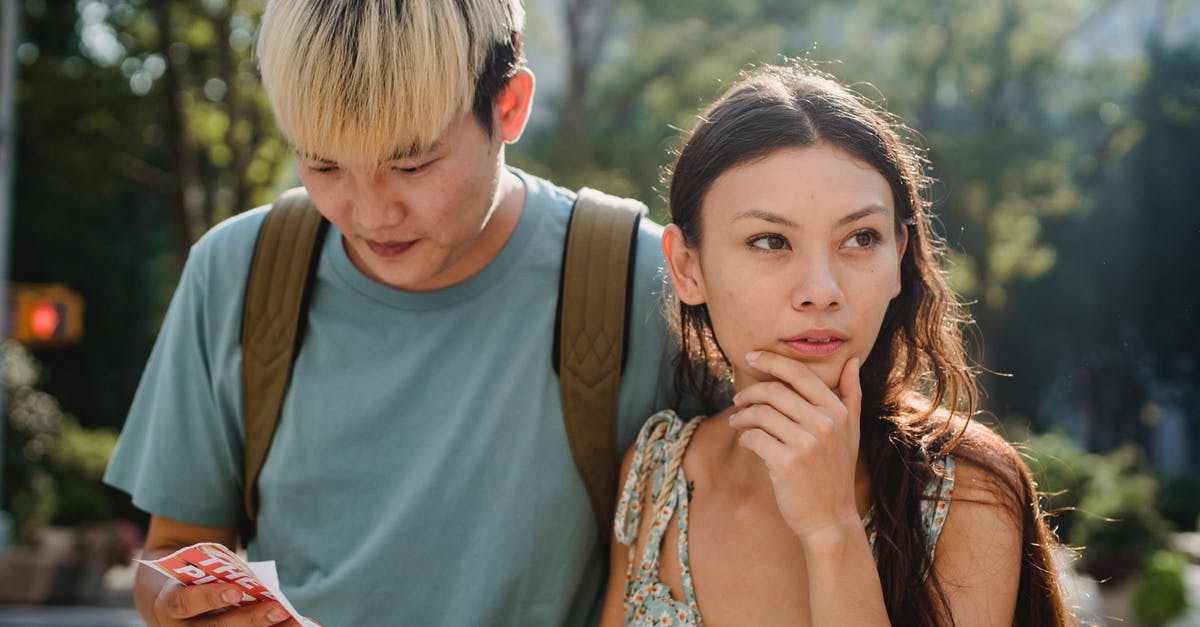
(179, 454)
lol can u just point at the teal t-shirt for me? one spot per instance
(420, 474)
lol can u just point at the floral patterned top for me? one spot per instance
(648, 600)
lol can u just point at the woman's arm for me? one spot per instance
(978, 558)
(808, 436)
(618, 560)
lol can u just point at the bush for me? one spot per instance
(1161, 596)
(1105, 504)
(52, 465)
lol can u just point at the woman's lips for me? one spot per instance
(816, 348)
(390, 249)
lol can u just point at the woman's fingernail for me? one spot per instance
(277, 614)
(752, 356)
(231, 596)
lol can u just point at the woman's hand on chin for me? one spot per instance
(807, 436)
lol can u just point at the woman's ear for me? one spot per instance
(901, 248)
(513, 104)
(683, 262)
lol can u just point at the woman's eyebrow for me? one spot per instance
(869, 210)
(766, 216)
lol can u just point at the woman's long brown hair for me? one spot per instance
(919, 390)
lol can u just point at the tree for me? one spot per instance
(141, 124)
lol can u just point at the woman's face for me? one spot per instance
(798, 255)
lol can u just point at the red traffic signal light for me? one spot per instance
(45, 319)
(45, 315)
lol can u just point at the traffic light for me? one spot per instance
(44, 315)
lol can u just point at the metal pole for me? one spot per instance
(8, 140)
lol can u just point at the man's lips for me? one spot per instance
(817, 342)
(390, 249)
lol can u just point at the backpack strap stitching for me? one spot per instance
(593, 329)
(273, 320)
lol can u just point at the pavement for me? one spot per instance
(68, 616)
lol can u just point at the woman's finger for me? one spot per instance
(850, 388)
(762, 444)
(783, 399)
(798, 375)
(768, 420)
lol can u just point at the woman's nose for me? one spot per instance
(816, 286)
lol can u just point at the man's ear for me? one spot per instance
(683, 263)
(513, 104)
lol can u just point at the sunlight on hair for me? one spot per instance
(362, 81)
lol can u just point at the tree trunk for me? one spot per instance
(588, 22)
(188, 199)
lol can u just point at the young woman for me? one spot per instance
(846, 485)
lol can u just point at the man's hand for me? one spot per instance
(166, 602)
(212, 604)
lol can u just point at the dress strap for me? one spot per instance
(936, 505)
(655, 470)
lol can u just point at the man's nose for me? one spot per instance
(377, 206)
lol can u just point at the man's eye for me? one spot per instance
(412, 169)
(771, 241)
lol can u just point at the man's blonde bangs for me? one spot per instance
(363, 81)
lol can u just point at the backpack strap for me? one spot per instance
(592, 335)
(276, 303)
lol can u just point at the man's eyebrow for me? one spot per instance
(310, 156)
(412, 153)
(869, 210)
(766, 216)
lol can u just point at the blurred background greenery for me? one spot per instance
(1063, 135)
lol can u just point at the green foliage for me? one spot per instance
(1066, 187)
(52, 465)
(1061, 468)
(1119, 522)
(117, 118)
(1161, 595)
(1104, 504)
(621, 133)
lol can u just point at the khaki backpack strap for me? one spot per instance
(281, 272)
(594, 300)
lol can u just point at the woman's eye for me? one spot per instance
(769, 242)
(863, 239)
(323, 169)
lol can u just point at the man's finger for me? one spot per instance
(182, 601)
(264, 614)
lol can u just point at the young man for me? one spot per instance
(420, 473)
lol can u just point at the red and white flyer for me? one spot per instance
(209, 562)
